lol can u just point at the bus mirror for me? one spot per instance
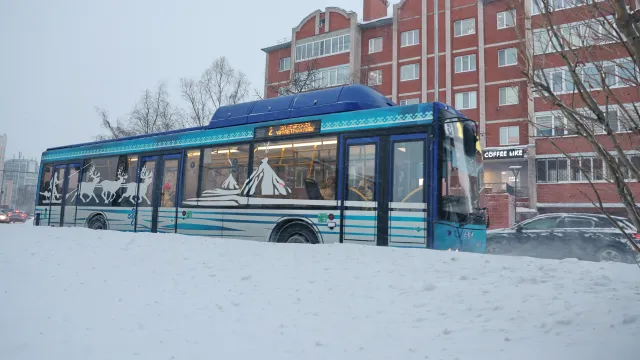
(470, 140)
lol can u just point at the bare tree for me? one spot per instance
(152, 113)
(219, 85)
(306, 76)
(591, 98)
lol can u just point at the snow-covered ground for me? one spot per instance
(81, 294)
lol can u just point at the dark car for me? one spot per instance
(18, 216)
(558, 236)
(4, 217)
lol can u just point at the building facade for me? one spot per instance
(23, 176)
(470, 56)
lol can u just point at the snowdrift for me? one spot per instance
(81, 294)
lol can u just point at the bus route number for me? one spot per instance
(307, 127)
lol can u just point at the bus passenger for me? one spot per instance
(328, 188)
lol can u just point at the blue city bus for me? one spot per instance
(338, 165)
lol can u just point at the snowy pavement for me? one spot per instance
(81, 294)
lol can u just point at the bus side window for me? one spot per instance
(190, 178)
(44, 197)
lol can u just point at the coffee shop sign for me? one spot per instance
(504, 154)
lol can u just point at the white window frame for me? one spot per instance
(502, 99)
(287, 63)
(472, 100)
(564, 4)
(372, 45)
(504, 14)
(459, 60)
(375, 77)
(506, 57)
(410, 38)
(322, 48)
(506, 130)
(458, 26)
(412, 101)
(416, 72)
(558, 123)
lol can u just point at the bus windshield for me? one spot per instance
(462, 176)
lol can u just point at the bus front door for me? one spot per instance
(384, 201)
(407, 197)
(157, 188)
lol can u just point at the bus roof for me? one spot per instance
(319, 102)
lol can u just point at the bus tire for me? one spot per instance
(98, 222)
(297, 233)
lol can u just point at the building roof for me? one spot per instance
(376, 23)
(284, 45)
(363, 25)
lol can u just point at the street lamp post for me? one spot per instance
(516, 171)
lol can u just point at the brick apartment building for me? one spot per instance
(479, 72)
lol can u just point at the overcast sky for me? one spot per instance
(60, 59)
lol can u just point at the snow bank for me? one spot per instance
(80, 294)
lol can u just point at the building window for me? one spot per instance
(577, 169)
(375, 45)
(326, 77)
(326, 47)
(507, 57)
(464, 27)
(550, 125)
(465, 63)
(466, 100)
(508, 95)
(507, 19)
(375, 77)
(410, 101)
(409, 38)
(285, 64)
(409, 72)
(510, 135)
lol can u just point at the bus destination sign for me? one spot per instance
(307, 127)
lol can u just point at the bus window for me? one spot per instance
(361, 179)
(408, 171)
(97, 171)
(296, 169)
(224, 168)
(461, 177)
(44, 198)
(127, 194)
(191, 170)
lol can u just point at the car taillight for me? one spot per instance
(331, 217)
(636, 237)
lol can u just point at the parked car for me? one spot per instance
(558, 236)
(17, 216)
(4, 218)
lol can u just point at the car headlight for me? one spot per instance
(3, 217)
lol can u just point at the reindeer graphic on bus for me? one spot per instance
(87, 189)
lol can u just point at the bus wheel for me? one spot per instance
(296, 233)
(98, 223)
